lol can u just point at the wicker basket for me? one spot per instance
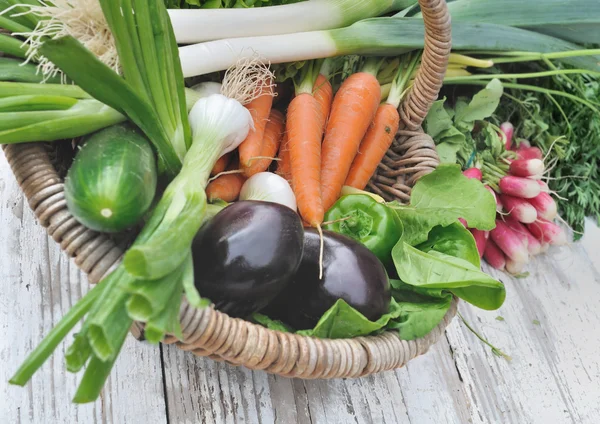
(208, 332)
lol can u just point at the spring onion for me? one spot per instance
(219, 125)
(199, 25)
(377, 36)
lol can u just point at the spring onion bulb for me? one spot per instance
(268, 187)
(199, 25)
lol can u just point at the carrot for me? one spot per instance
(304, 139)
(226, 187)
(260, 109)
(352, 111)
(382, 130)
(283, 165)
(323, 92)
(271, 141)
(221, 164)
(376, 142)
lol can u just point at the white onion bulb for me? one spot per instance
(268, 187)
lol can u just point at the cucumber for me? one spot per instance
(112, 181)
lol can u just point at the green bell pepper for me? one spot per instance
(362, 218)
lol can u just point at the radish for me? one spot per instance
(481, 238)
(523, 143)
(509, 242)
(519, 187)
(463, 222)
(474, 173)
(544, 248)
(519, 208)
(494, 256)
(530, 153)
(533, 245)
(527, 168)
(508, 130)
(543, 186)
(548, 232)
(545, 206)
(514, 267)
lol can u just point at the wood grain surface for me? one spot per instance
(549, 325)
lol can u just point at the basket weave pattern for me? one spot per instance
(208, 332)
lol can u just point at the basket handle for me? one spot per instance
(430, 76)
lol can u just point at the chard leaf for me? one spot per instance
(442, 197)
(483, 104)
(454, 240)
(438, 270)
(438, 119)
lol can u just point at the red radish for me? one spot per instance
(544, 248)
(519, 187)
(474, 173)
(523, 144)
(494, 256)
(543, 186)
(545, 206)
(548, 232)
(530, 153)
(509, 242)
(514, 267)
(527, 168)
(508, 131)
(533, 245)
(481, 238)
(463, 222)
(519, 208)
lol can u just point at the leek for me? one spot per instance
(377, 36)
(577, 21)
(199, 25)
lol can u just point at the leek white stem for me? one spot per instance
(199, 25)
(205, 58)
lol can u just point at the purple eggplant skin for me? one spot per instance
(246, 255)
(350, 272)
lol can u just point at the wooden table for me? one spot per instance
(550, 325)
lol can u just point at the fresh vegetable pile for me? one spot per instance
(239, 161)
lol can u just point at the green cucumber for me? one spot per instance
(112, 181)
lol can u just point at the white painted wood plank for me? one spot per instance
(550, 329)
(38, 285)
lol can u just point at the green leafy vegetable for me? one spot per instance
(453, 128)
(442, 197)
(438, 270)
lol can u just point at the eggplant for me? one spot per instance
(350, 272)
(246, 255)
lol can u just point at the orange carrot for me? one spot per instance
(352, 112)
(221, 164)
(272, 138)
(283, 165)
(259, 108)
(372, 149)
(304, 139)
(323, 92)
(226, 187)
